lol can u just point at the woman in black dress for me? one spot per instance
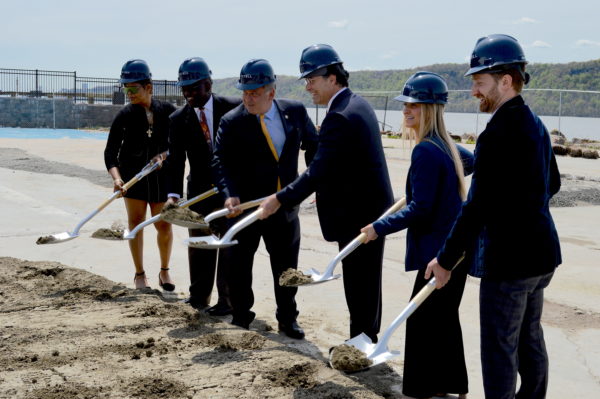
(139, 135)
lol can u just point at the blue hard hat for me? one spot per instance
(255, 74)
(193, 70)
(135, 71)
(425, 88)
(495, 53)
(316, 57)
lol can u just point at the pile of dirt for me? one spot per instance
(293, 277)
(67, 333)
(45, 240)
(348, 358)
(173, 213)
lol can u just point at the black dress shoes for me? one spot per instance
(220, 309)
(243, 320)
(292, 330)
(195, 303)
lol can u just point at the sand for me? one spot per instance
(72, 326)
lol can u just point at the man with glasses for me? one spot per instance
(256, 154)
(191, 136)
(351, 180)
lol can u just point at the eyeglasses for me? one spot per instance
(131, 89)
(310, 81)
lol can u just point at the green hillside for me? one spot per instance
(570, 76)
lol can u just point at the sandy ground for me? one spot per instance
(72, 327)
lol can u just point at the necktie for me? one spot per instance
(265, 131)
(205, 129)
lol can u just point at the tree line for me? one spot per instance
(568, 76)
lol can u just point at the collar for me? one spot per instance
(271, 113)
(334, 96)
(209, 105)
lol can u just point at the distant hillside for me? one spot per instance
(571, 76)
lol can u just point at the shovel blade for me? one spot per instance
(383, 357)
(208, 242)
(318, 278)
(187, 223)
(56, 238)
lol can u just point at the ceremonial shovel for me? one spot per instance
(360, 239)
(66, 236)
(213, 242)
(130, 235)
(379, 353)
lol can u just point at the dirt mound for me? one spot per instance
(66, 333)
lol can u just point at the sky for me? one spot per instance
(95, 38)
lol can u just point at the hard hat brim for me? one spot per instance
(478, 69)
(250, 86)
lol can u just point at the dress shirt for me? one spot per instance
(275, 128)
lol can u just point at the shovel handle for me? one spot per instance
(414, 303)
(198, 198)
(245, 222)
(394, 208)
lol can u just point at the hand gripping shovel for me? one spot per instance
(379, 353)
(130, 235)
(66, 236)
(213, 242)
(317, 277)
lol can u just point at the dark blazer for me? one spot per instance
(349, 172)
(243, 160)
(515, 175)
(186, 140)
(433, 201)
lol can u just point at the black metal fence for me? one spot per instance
(38, 83)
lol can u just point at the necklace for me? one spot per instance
(150, 118)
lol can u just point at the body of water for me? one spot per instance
(459, 123)
(26, 133)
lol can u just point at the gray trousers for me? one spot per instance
(512, 340)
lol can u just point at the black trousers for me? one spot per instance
(512, 338)
(434, 359)
(282, 241)
(205, 263)
(362, 287)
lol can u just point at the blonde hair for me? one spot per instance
(432, 122)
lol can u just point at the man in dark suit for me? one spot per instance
(256, 153)
(350, 176)
(520, 247)
(192, 136)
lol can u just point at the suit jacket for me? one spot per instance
(433, 202)
(186, 140)
(349, 172)
(508, 198)
(243, 160)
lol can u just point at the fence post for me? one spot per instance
(559, 109)
(384, 113)
(36, 84)
(74, 87)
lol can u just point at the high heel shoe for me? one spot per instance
(165, 286)
(140, 281)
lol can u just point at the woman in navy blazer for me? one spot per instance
(435, 190)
